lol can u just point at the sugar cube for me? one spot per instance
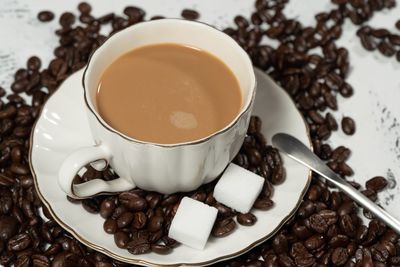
(192, 223)
(238, 188)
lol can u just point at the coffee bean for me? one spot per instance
(346, 225)
(390, 236)
(377, 183)
(170, 200)
(333, 81)
(380, 33)
(67, 19)
(155, 223)
(110, 226)
(339, 256)
(107, 208)
(19, 242)
(394, 39)
(256, 19)
(323, 132)
(345, 169)
(84, 8)
(121, 239)
(314, 193)
(325, 152)
(387, 246)
(133, 201)
(254, 156)
(139, 220)
(135, 14)
(241, 160)
(90, 206)
(210, 200)
(140, 249)
(223, 227)
(263, 204)
(348, 126)
(157, 17)
(371, 194)
(316, 117)
(339, 241)
(268, 188)
(223, 210)
(301, 231)
(40, 260)
(395, 260)
(190, 14)
(299, 252)
(340, 154)
(330, 101)
(278, 174)
(331, 122)
(86, 18)
(119, 211)
(6, 181)
(329, 216)
(65, 258)
(280, 244)
(139, 243)
(8, 227)
(45, 16)
(318, 224)
(285, 260)
(125, 219)
(346, 208)
(58, 67)
(306, 209)
(23, 260)
(247, 219)
(241, 22)
(29, 212)
(106, 18)
(16, 154)
(34, 63)
(160, 249)
(314, 242)
(20, 86)
(154, 199)
(367, 42)
(386, 49)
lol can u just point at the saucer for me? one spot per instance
(63, 128)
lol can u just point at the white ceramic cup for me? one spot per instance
(165, 168)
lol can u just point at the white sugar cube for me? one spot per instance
(238, 188)
(192, 223)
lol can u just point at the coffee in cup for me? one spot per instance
(168, 93)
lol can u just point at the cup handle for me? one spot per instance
(78, 159)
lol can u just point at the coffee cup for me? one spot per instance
(164, 168)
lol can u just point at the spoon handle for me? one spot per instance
(299, 152)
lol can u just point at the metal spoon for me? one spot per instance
(295, 149)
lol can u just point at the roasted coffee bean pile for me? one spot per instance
(387, 43)
(360, 11)
(140, 220)
(326, 230)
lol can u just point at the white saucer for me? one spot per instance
(63, 127)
